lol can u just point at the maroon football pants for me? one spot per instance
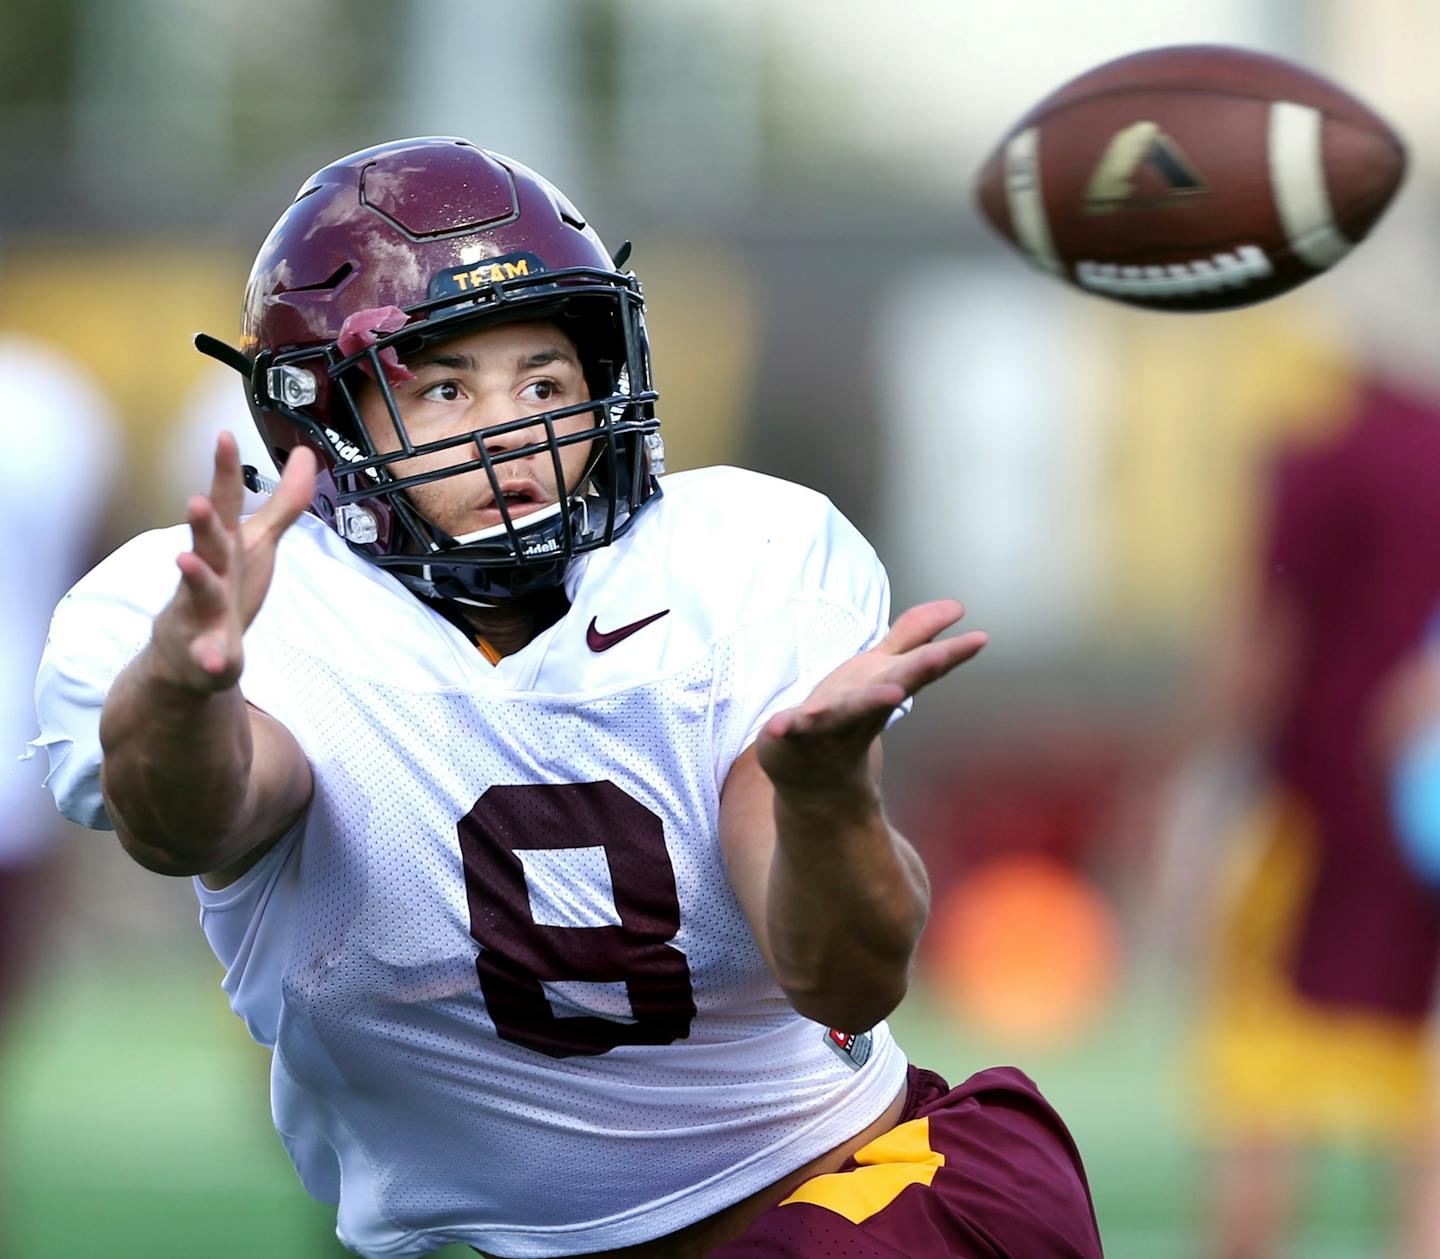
(983, 1171)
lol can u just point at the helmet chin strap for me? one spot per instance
(426, 582)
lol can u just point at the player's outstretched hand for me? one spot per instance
(823, 745)
(224, 577)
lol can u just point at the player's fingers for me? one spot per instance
(921, 623)
(208, 535)
(859, 714)
(291, 497)
(208, 594)
(211, 653)
(930, 662)
(227, 487)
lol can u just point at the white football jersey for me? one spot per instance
(61, 449)
(512, 998)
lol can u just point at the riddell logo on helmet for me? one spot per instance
(349, 451)
(488, 271)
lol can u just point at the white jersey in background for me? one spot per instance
(512, 997)
(61, 458)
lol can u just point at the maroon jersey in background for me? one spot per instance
(1353, 552)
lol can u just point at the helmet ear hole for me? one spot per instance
(601, 376)
(600, 344)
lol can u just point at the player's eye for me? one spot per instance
(541, 390)
(442, 391)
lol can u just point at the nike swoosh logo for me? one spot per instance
(598, 640)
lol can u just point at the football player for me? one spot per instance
(63, 466)
(532, 800)
(1325, 947)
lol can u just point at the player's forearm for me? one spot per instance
(176, 773)
(847, 900)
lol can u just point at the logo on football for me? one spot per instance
(1141, 153)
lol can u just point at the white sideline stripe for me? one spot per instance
(1297, 178)
(1027, 205)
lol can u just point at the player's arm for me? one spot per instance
(835, 895)
(194, 779)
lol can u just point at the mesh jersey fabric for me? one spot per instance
(501, 954)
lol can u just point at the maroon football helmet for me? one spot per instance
(419, 240)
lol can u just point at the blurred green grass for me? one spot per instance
(134, 1123)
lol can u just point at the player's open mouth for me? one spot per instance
(489, 524)
(520, 499)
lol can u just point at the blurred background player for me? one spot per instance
(55, 480)
(1325, 946)
(59, 469)
(1409, 748)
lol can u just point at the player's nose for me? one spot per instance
(505, 427)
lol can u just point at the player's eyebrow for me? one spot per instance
(468, 363)
(451, 362)
(551, 354)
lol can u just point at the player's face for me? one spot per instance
(471, 381)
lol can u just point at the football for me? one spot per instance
(1192, 178)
